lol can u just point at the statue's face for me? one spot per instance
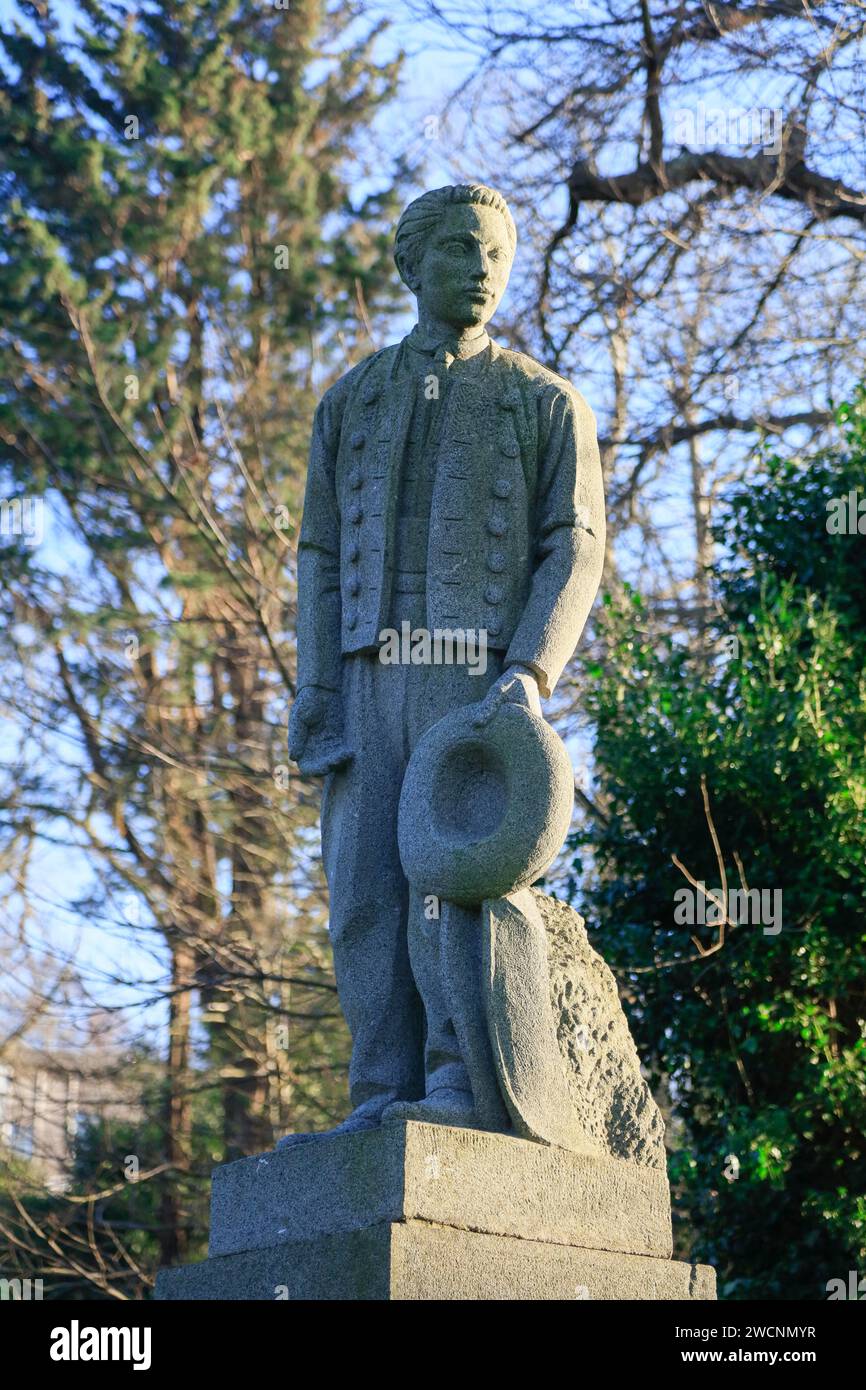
(462, 273)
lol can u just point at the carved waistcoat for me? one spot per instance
(478, 543)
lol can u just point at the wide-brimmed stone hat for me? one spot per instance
(484, 809)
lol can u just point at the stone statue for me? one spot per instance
(454, 488)
(502, 1142)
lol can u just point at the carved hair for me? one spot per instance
(422, 215)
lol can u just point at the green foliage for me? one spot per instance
(150, 175)
(95, 1238)
(122, 1160)
(183, 268)
(762, 741)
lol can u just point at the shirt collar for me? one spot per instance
(420, 341)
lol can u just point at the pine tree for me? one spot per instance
(183, 269)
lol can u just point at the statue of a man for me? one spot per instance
(452, 484)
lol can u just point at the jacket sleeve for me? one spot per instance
(569, 535)
(319, 602)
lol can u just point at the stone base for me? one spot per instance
(418, 1211)
(453, 1177)
(416, 1260)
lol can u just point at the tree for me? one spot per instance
(692, 216)
(182, 271)
(728, 877)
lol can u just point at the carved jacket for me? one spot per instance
(516, 533)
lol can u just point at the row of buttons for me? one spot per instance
(369, 396)
(356, 516)
(494, 594)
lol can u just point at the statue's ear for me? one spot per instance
(408, 273)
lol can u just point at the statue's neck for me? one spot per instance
(439, 331)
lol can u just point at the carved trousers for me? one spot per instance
(386, 949)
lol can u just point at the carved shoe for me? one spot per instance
(366, 1116)
(440, 1107)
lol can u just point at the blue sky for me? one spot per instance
(108, 951)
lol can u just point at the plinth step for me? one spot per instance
(412, 1260)
(462, 1178)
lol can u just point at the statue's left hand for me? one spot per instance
(516, 686)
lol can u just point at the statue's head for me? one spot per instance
(454, 248)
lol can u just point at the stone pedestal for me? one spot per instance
(415, 1211)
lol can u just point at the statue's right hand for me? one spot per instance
(316, 740)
